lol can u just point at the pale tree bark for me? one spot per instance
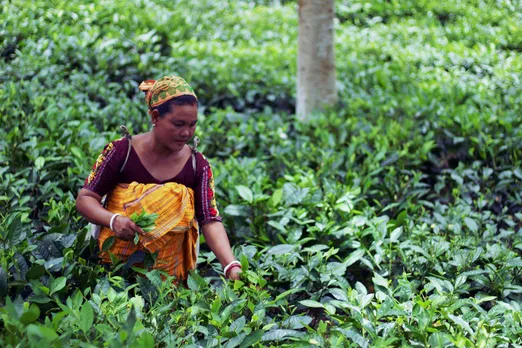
(316, 59)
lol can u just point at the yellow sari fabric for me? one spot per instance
(175, 237)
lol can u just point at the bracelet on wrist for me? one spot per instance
(112, 221)
(229, 266)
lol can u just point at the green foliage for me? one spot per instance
(393, 219)
(145, 220)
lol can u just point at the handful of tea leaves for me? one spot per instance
(145, 220)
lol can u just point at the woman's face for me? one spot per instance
(175, 128)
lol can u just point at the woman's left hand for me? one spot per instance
(233, 274)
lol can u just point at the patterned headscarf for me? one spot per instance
(165, 89)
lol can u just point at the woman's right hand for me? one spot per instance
(125, 228)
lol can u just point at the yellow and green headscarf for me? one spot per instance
(165, 89)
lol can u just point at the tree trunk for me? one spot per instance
(316, 59)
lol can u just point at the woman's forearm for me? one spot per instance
(91, 209)
(217, 239)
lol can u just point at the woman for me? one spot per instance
(157, 172)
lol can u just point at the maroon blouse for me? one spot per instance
(106, 174)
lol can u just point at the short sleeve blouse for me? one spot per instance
(106, 174)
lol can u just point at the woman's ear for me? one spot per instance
(154, 116)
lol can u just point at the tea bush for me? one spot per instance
(393, 219)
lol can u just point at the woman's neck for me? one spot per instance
(157, 150)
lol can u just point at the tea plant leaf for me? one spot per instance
(3, 282)
(155, 278)
(286, 293)
(245, 193)
(67, 241)
(461, 280)
(253, 338)
(396, 234)
(380, 281)
(39, 333)
(281, 249)
(108, 243)
(131, 321)
(354, 257)
(457, 178)
(330, 309)
(238, 324)
(86, 317)
(16, 232)
(192, 283)
(461, 322)
(76, 151)
(146, 340)
(276, 198)
(54, 265)
(311, 303)
(438, 284)
(486, 299)
(460, 303)
(21, 266)
(236, 210)
(150, 259)
(294, 195)
(235, 341)
(278, 334)
(46, 249)
(515, 262)
(355, 337)
(361, 289)
(439, 339)
(196, 282)
(296, 322)
(472, 225)
(145, 220)
(345, 203)
(30, 315)
(12, 309)
(57, 285)
(39, 163)
(475, 273)
(277, 226)
(40, 299)
(35, 272)
(338, 294)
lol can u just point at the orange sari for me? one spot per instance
(175, 236)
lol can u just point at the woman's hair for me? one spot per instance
(178, 101)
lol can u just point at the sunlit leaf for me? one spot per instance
(57, 285)
(278, 334)
(245, 193)
(472, 225)
(311, 303)
(461, 322)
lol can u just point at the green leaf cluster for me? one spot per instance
(145, 220)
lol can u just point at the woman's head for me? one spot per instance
(173, 107)
(169, 105)
(167, 92)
